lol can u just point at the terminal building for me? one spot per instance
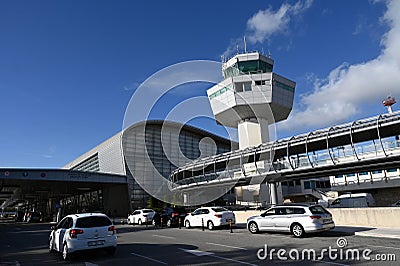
(102, 180)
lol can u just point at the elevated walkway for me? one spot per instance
(362, 145)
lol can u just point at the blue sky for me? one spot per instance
(69, 68)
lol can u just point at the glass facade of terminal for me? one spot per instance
(164, 144)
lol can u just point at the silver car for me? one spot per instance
(298, 219)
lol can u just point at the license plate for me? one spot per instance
(96, 243)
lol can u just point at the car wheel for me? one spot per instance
(297, 230)
(65, 254)
(139, 221)
(169, 223)
(51, 245)
(210, 225)
(253, 227)
(187, 224)
(111, 251)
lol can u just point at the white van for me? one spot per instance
(357, 200)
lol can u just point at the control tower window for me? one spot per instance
(259, 82)
(254, 66)
(231, 71)
(247, 86)
(242, 86)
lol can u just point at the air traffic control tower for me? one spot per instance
(250, 98)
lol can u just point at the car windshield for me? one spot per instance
(318, 210)
(92, 221)
(147, 211)
(220, 209)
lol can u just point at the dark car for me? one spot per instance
(170, 217)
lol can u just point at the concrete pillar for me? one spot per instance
(264, 127)
(274, 196)
(249, 134)
(253, 133)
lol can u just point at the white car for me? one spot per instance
(141, 216)
(210, 217)
(298, 219)
(84, 231)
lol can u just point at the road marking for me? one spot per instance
(237, 261)
(381, 246)
(148, 258)
(90, 264)
(16, 263)
(170, 237)
(30, 231)
(215, 244)
(205, 253)
(331, 263)
(196, 252)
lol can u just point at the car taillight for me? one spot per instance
(218, 215)
(315, 217)
(75, 232)
(174, 214)
(112, 229)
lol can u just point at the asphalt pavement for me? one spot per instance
(380, 232)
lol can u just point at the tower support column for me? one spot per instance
(249, 134)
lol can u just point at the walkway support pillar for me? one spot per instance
(273, 193)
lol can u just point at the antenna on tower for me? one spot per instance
(244, 41)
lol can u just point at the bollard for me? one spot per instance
(179, 222)
(146, 220)
(230, 225)
(202, 224)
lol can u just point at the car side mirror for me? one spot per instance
(53, 227)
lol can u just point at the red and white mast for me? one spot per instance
(388, 102)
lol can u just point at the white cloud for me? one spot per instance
(262, 25)
(268, 22)
(349, 88)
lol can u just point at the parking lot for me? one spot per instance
(27, 244)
